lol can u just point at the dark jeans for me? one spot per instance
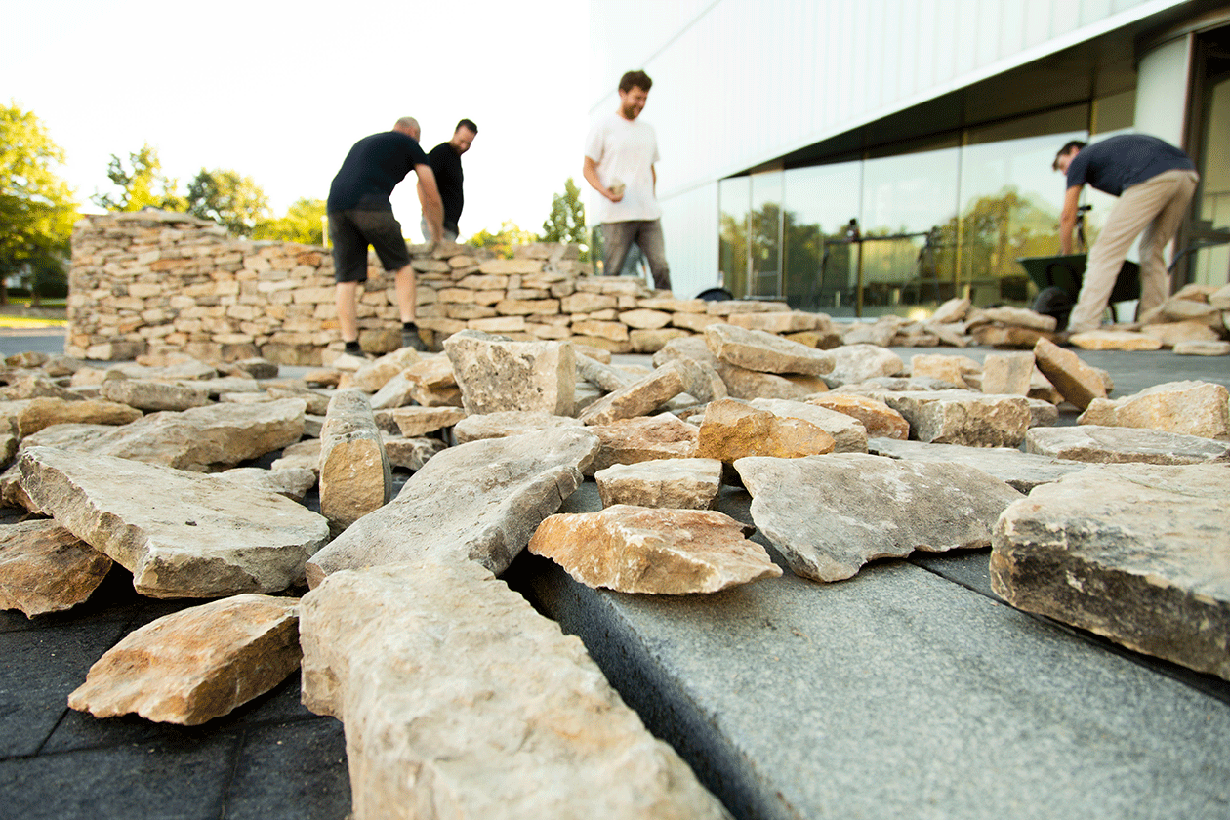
(618, 238)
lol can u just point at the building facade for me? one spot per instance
(887, 155)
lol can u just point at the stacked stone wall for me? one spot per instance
(153, 281)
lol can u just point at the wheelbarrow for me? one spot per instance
(1059, 281)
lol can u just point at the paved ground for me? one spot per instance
(909, 691)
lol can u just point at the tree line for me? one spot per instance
(38, 209)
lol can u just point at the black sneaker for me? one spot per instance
(412, 340)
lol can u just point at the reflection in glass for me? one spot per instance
(820, 264)
(766, 231)
(734, 202)
(1211, 265)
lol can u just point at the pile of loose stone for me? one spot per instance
(456, 695)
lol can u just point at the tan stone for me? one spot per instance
(668, 483)
(355, 477)
(418, 421)
(196, 664)
(639, 398)
(372, 376)
(645, 318)
(962, 416)
(45, 568)
(149, 395)
(854, 364)
(733, 429)
(877, 418)
(1169, 334)
(1116, 340)
(946, 368)
(1016, 317)
(634, 440)
(1008, 373)
(1191, 408)
(1076, 381)
(31, 415)
(1202, 348)
(1008, 336)
(765, 352)
(646, 551)
(495, 374)
(509, 423)
(848, 433)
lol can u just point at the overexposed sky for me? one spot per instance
(280, 91)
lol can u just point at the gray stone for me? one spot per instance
(292, 482)
(1008, 373)
(509, 423)
(418, 421)
(150, 395)
(45, 568)
(639, 398)
(1076, 381)
(855, 364)
(196, 664)
(877, 334)
(764, 352)
(1022, 471)
(479, 501)
(829, 515)
(496, 374)
(181, 534)
(669, 483)
(1136, 553)
(606, 378)
(411, 453)
(355, 477)
(652, 438)
(444, 672)
(1123, 445)
(653, 551)
(962, 416)
(1191, 408)
(848, 433)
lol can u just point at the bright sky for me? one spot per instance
(280, 91)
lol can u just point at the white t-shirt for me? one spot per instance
(624, 152)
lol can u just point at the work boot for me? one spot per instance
(410, 338)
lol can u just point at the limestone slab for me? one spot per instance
(962, 416)
(765, 352)
(460, 700)
(355, 477)
(829, 515)
(877, 418)
(1022, 471)
(411, 453)
(1136, 553)
(1124, 445)
(495, 374)
(479, 501)
(855, 364)
(29, 416)
(1076, 381)
(643, 439)
(197, 664)
(639, 398)
(653, 551)
(509, 423)
(734, 429)
(1191, 408)
(181, 534)
(418, 421)
(848, 433)
(1008, 373)
(150, 395)
(45, 568)
(668, 483)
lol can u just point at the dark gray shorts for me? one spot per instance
(352, 231)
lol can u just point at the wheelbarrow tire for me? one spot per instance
(1057, 302)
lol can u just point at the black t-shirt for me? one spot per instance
(1128, 159)
(372, 169)
(446, 167)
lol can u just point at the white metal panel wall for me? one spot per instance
(690, 221)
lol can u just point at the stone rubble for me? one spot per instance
(355, 477)
(45, 568)
(672, 484)
(1190, 408)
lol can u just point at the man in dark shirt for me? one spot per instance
(360, 214)
(446, 165)
(1155, 183)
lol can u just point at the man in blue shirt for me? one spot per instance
(360, 214)
(1155, 183)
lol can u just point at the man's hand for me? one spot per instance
(1067, 218)
(590, 172)
(433, 207)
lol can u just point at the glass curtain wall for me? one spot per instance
(766, 236)
(821, 271)
(1208, 252)
(734, 206)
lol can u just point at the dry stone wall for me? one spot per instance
(153, 281)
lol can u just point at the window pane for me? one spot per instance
(820, 270)
(734, 201)
(766, 225)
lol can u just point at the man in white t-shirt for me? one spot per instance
(620, 153)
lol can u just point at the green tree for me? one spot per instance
(567, 220)
(501, 243)
(142, 185)
(37, 210)
(302, 223)
(231, 200)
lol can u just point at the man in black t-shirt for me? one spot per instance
(1155, 182)
(446, 165)
(360, 214)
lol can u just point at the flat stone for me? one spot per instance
(373, 375)
(1115, 340)
(33, 385)
(418, 421)
(1008, 336)
(639, 398)
(29, 416)
(1008, 373)
(495, 374)
(411, 453)
(651, 438)
(1021, 471)
(602, 375)
(1202, 348)
(1042, 413)
(291, 482)
(1136, 553)
(181, 534)
(962, 416)
(953, 310)
(149, 395)
(443, 671)
(765, 352)
(1076, 381)
(1169, 334)
(317, 400)
(1191, 408)
(1016, 317)
(196, 664)
(187, 369)
(509, 423)
(854, 364)
(829, 515)
(45, 568)
(944, 367)
(668, 483)
(877, 334)
(653, 551)
(480, 501)
(203, 438)
(848, 433)
(741, 383)
(303, 455)
(355, 477)
(1123, 445)
(877, 418)
(733, 429)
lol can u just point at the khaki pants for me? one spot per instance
(1151, 209)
